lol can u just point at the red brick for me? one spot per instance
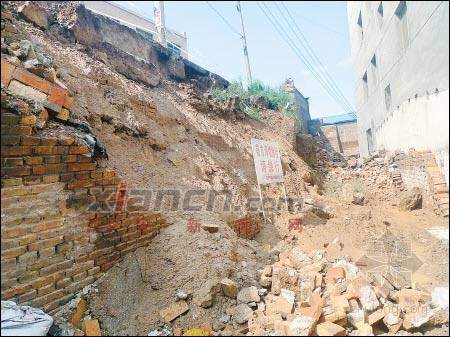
(17, 171)
(56, 168)
(32, 80)
(67, 176)
(49, 141)
(82, 175)
(21, 130)
(28, 120)
(61, 284)
(27, 296)
(33, 160)
(9, 119)
(82, 183)
(27, 239)
(15, 151)
(70, 158)
(84, 158)
(27, 140)
(53, 178)
(96, 175)
(60, 150)
(13, 252)
(11, 182)
(10, 140)
(82, 167)
(46, 225)
(66, 140)
(7, 71)
(40, 301)
(15, 291)
(43, 150)
(57, 95)
(12, 162)
(78, 150)
(46, 243)
(109, 173)
(13, 232)
(68, 102)
(53, 159)
(39, 169)
(32, 180)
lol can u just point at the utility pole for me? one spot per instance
(160, 23)
(244, 44)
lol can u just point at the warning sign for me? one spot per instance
(267, 162)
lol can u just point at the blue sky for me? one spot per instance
(213, 45)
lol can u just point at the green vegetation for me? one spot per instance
(278, 99)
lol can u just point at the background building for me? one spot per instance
(340, 131)
(400, 55)
(301, 105)
(176, 42)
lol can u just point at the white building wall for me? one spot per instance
(412, 57)
(134, 20)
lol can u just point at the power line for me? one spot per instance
(298, 53)
(314, 59)
(223, 19)
(313, 56)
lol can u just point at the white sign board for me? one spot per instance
(267, 162)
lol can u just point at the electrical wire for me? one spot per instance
(313, 56)
(223, 19)
(272, 19)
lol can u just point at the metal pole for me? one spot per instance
(285, 197)
(262, 204)
(160, 23)
(244, 44)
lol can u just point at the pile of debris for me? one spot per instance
(311, 294)
(316, 294)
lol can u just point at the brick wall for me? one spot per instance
(246, 227)
(348, 135)
(413, 172)
(343, 138)
(64, 219)
(331, 135)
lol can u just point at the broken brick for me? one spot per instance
(32, 80)
(7, 71)
(173, 311)
(91, 327)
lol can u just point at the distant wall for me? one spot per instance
(421, 123)
(301, 106)
(134, 21)
(343, 138)
(348, 135)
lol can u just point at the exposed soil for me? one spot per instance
(179, 147)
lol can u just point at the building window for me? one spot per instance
(402, 23)
(174, 48)
(374, 69)
(360, 25)
(144, 33)
(387, 97)
(380, 8)
(365, 87)
(401, 9)
(369, 141)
